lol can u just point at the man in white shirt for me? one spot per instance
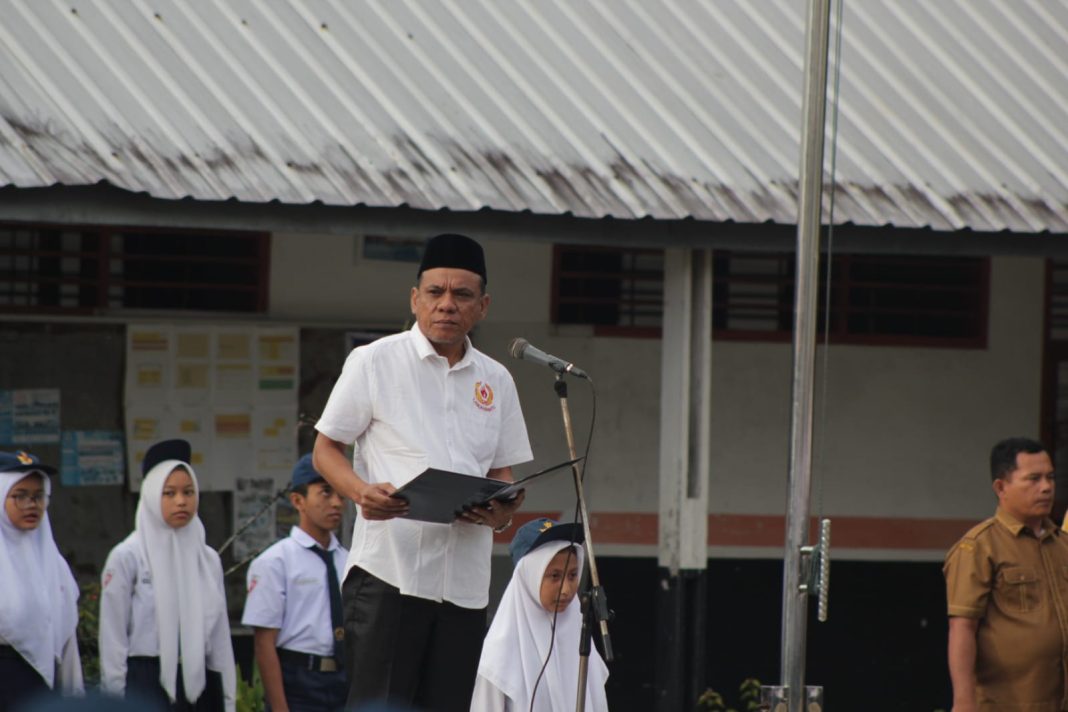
(294, 604)
(415, 593)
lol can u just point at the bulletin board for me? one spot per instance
(232, 391)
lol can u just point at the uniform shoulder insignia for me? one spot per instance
(978, 530)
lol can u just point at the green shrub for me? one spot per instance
(89, 632)
(250, 696)
(748, 699)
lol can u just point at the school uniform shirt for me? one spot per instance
(189, 579)
(407, 409)
(287, 591)
(38, 597)
(521, 642)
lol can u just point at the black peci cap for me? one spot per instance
(451, 250)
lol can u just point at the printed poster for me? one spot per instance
(92, 457)
(253, 506)
(29, 417)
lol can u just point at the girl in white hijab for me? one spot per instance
(164, 630)
(38, 593)
(521, 641)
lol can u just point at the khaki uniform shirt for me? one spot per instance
(1016, 584)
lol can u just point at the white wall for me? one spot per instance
(905, 432)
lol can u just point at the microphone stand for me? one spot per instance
(597, 606)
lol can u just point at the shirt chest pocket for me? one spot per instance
(1018, 589)
(479, 429)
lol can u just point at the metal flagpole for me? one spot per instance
(795, 587)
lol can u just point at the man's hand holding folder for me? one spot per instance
(442, 496)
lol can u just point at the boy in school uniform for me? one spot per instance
(294, 603)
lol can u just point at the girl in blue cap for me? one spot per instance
(530, 658)
(38, 593)
(164, 630)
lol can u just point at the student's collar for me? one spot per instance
(1015, 526)
(308, 541)
(424, 348)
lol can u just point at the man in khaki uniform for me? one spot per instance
(1007, 590)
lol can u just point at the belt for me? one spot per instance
(6, 651)
(307, 661)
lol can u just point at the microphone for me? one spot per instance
(521, 349)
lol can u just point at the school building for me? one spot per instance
(224, 167)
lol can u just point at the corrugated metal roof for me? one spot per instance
(953, 114)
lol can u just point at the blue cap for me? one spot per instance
(541, 531)
(304, 473)
(23, 461)
(175, 449)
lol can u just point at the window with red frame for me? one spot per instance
(81, 270)
(907, 300)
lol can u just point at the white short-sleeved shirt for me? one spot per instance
(407, 410)
(287, 590)
(128, 625)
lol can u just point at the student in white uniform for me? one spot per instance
(164, 631)
(294, 604)
(38, 593)
(537, 626)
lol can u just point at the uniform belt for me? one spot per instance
(6, 651)
(307, 661)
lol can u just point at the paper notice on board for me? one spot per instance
(145, 425)
(194, 425)
(231, 453)
(34, 416)
(278, 352)
(192, 366)
(92, 457)
(233, 366)
(148, 362)
(251, 498)
(275, 440)
(29, 417)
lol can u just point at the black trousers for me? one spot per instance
(409, 650)
(142, 682)
(18, 680)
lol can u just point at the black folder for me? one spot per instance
(441, 496)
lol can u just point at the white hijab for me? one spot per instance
(38, 593)
(186, 581)
(518, 642)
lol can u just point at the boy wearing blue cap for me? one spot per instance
(294, 603)
(530, 658)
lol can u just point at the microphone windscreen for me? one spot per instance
(517, 347)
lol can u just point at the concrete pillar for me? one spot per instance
(685, 412)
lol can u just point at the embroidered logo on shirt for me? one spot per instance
(252, 584)
(484, 396)
(107, 579)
